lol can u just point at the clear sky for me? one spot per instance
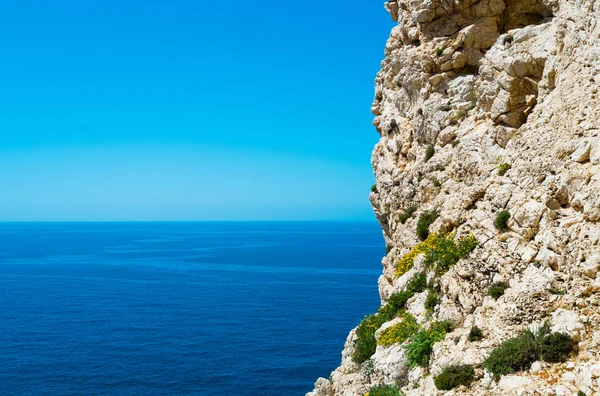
(188, 109)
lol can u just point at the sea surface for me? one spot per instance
(180, 308)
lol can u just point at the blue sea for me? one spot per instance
(180, 308)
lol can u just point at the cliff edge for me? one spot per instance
(488, 194)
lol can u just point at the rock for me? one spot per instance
(514, 383)
(536, 367)
(595, 151)
(582, 153)
(322, 388)
(567, 322)
(508, 95)
(562, 390)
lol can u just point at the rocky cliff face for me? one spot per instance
(483, 107)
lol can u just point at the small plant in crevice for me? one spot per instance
(501, 220)
(497, 289)
(407, 214)
(384, 390)
(425, 220)
(436, 182)
(399, 332)
(455, 142)
(368, 368)
(559, 292)
(447, 106)
(421, 344)
(457, 115)
(503, 168)
(453, 376)
(518, 353)
(476, 334)
(429, 152)
(581, 393)
(440, 50)
(374, 188)
(432, 300)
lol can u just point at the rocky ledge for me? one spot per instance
(488, 194)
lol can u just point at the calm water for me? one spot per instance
(180, 308)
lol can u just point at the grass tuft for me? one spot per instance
(407, 214)
(476, 334)
(432, 300)
(425, 220)
(502, 169)
(429, 152)
(497, 290)
(501, 220)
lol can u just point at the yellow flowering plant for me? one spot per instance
(399, 332)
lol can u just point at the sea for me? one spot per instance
(189, 308)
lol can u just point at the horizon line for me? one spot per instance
(190, 221)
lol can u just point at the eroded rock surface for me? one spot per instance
(506, 92)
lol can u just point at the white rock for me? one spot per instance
(568, 322)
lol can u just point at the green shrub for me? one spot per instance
(395, 304)
(417, 284)
(439, 51)
(453, 376)
(556, 347)
(581, 393)
(501, 221)
(497, 290)
(517, 354)
(385, 390)
(432, 300)
(444, 252)
(407, 214)
(374, 188)
(366, 343)
(425, 220)
(476, 334)
(513, 355)
(429, 152)
(397, 301)
(421, 344)
(436, 182)
(502, 169)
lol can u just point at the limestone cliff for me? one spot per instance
(483, 107)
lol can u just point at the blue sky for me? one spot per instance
(188, 109)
